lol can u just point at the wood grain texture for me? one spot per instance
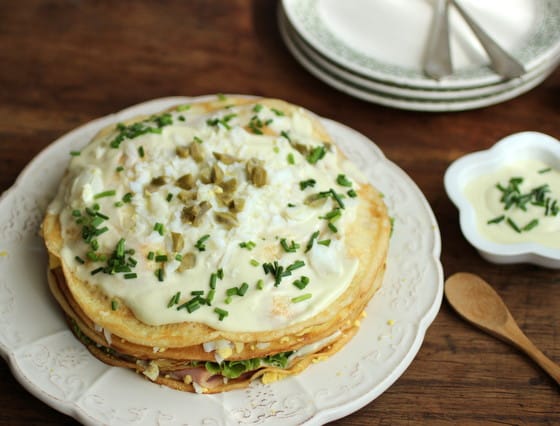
(65, 62)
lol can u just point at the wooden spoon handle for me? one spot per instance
(523, 343)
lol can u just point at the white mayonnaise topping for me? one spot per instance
(536, 219)
(148, 166)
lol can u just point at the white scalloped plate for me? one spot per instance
(386, 40)
(46, 358)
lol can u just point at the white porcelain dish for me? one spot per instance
(434, 94)
(386, 40)
(47, 360)
(414, 104)
(525, 145)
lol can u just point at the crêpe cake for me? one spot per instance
(215, 243)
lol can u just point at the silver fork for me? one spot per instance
(501, 61)
(438, 58)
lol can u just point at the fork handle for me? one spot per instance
(502, 62)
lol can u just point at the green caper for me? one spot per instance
(186, 181)
(225, 158)
(177, 241)
(187, 262)
(227, 219)
(196, 152)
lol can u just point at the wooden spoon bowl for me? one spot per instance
(477, 302)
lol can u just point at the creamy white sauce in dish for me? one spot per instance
(518, 203)
(126, 190)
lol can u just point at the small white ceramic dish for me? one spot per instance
(525, 145)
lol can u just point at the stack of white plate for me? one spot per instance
(374, 49)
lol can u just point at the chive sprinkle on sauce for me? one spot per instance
(200, 244)
(109, 193)
(301, 298)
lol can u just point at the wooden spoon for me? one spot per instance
(477, 302)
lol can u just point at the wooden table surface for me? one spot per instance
(65, 62)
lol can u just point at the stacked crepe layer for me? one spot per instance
(272, 275)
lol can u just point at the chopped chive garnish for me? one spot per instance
(101, 231)
(289, 248)
(130, 275)
(221, 313)
(249, 245)
(324, 242)
(291, 159)
(277, 112)
(496, 220)
(102, 216)
(302, 282)
(220, 273)
(309, 183)
(284, 134)
(333, 215)
(531, 225)
(151, 255)
(351, 193)
(169, 197)
(332, 227)
(243, 289)
(197, 292)
(182, 108)
(159, 228)
(174, 299)
(342, 180)
(232, 291)
(161, 258)
(257, 108)
(301, 298)
(221, 97)
(260, 284)
(114, 305)
(141, 151)
(178, 257)
(160, 274)
(513, 225)
(127, 198)
(200, 242)
(76, 213)
(312, 239)
(210, 297)
(197, 139)
(337, 198)
(316, 154)
(296, 265)
(213, 279)
(120, 248)
(80, 260)
(119, 204)
(546, 170)
(119, 169)
(97, 270)
(254, 262)
(108, 193)
(91, 255)
(75, 153)
(192, 305)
